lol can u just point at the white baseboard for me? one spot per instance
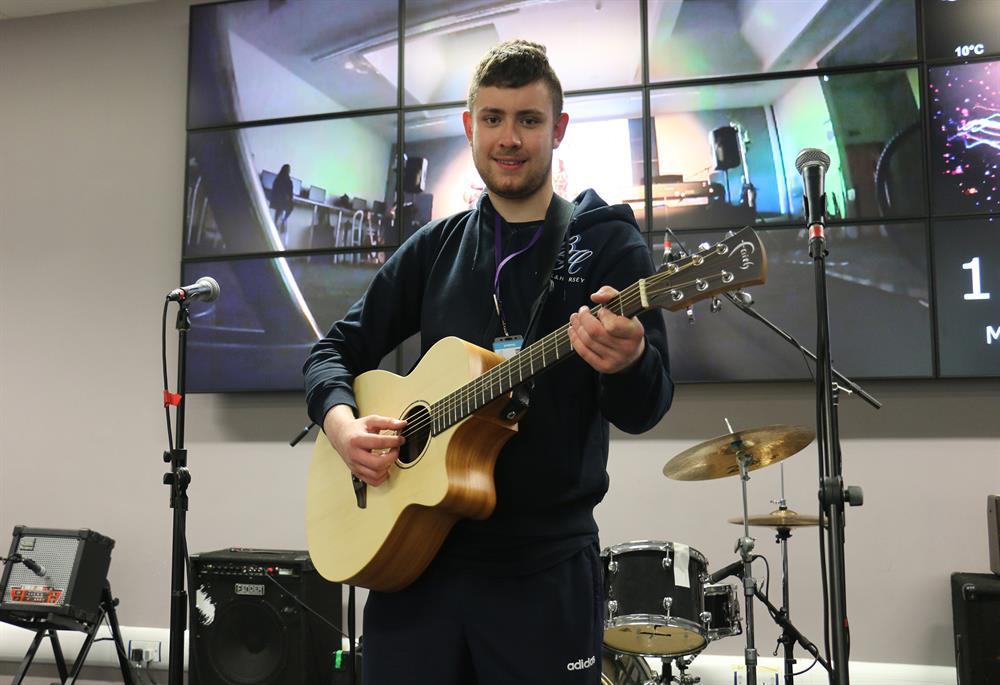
(712, 669)
(729, 670)
(14, 643)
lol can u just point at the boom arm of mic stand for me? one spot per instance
(844, 380)
(786, 625)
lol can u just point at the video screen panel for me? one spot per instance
(701, 38)
(877, 287)
(257, 60)
(959, 29)
(725, 153)
(445, 39)
(965, 137)
(310, 185)
(602, 149)
(269, 314)
(967, 296)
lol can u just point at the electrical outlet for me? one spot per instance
(145, 651)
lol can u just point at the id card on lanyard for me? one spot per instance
(506, 345)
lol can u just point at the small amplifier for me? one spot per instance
(993, 531)
(54, 578)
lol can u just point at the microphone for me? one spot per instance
(669, 253)
(812, 165)
(205, 288)
(34, 566)
(734, 569)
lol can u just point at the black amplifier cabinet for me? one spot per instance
(249, 625)
(975, 601)
(993, 531)
(66, 590)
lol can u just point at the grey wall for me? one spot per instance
(92, 123)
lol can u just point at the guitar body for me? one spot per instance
(389, 542)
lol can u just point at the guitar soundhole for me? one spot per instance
(417, 432)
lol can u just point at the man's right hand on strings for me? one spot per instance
(362, 443)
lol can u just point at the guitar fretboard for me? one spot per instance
(527, 363)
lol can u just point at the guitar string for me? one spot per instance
(457, 400)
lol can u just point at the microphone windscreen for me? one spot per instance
(213, 288)
(810, 156)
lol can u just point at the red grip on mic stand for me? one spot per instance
(171, 399)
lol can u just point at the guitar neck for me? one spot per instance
(526, 364)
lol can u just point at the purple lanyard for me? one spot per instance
(498, 253)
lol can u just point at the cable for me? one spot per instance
(767, 580)
(809, 667)
(305, 606)
(166, 383)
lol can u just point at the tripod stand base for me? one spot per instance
(106, 610)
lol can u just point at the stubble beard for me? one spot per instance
(528, 187)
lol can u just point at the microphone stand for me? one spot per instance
(844, 381)
(790, 633)
(832, 493)
(178, 479)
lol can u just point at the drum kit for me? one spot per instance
(660, 599)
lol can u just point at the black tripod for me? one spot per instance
(47, 627)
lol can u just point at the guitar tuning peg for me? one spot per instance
(716, 305)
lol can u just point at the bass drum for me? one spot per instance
(624, 669)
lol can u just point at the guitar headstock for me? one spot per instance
(737, 261)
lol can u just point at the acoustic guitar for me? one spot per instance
(455, 403)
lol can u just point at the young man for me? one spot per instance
(517, 597)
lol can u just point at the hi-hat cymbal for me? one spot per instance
(779, 518)
(719, 457)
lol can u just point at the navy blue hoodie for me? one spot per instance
(552, 473)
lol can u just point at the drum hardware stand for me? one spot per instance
(667, 673)
(745, 547)
(782, 538)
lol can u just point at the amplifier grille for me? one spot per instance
(57, 555)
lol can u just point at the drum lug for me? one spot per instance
(706, 619)
(612, 566)
(666, 561)
(667, 603)
(612, 608)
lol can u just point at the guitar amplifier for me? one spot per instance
(993, 531)
(262, 617)
(975, 600)
(65, 590)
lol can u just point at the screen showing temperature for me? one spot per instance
(960, 29)
(967, 275)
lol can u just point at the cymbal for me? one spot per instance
(779, 518)
(718, 457)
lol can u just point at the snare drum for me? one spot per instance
(624, 669)
(654, 602)
(722, 602)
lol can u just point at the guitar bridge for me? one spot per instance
(360, 491)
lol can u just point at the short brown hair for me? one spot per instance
(516, 63)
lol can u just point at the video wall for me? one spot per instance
(316, 146)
